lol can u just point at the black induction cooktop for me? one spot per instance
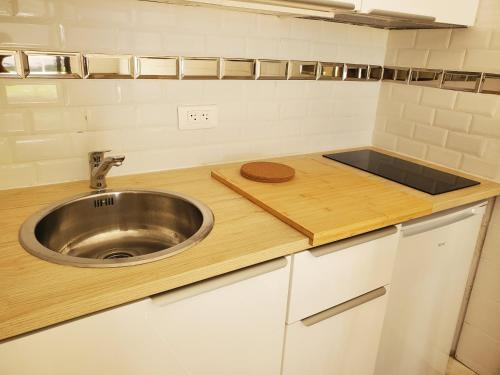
(414, 175)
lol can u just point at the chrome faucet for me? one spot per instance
(99, 167)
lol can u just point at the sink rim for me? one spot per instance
(30, 243)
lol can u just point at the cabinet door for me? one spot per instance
(447, 11)
(232, 324)
(118, 341)
(427, 290)
(234, 329)
(342, 344)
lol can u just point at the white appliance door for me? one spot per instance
(430, 276)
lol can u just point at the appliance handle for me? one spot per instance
(353, 241)
(440, 221)
(345, 306)
(204, 286)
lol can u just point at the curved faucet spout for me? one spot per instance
(118, 160)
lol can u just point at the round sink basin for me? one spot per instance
(116, 228)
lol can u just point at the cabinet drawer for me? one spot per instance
(342, 341)
(331, 274)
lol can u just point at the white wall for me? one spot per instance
(479, 344)
(456, 129)
(48, 126)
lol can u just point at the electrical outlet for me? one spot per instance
(197, 117)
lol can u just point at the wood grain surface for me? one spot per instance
(35, 293)
(328, 201)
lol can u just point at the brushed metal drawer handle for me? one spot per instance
(353, 241)
(348, 305)
(204, 286)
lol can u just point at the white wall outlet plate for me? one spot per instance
(197, 117)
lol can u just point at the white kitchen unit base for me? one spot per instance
(117, 341)
(237, 329)
(344, 344)
(428, 285)
(232, 324)
(328, 275)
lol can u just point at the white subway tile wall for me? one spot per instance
(465, 126)
(458, 130)
(47, 127)
(452, 128)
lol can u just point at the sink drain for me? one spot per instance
(118, 255)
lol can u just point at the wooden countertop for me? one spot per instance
(328, 201)
(35, 293)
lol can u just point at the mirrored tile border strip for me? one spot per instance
(28, 64)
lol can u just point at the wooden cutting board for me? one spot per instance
(328, 201)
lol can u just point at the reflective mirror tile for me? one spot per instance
(375, 72)
(10, 64)
(156, 67)
(200, 68)
(461, 81)
(402, 75)
(52, 64)
(302, 70)
(396, 74)
(100, 66)
(238, 69)
(330, 71)
(490, 84)
(356, 72)
(388, 73)
(272, 69)
(426, 77)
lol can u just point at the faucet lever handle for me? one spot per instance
(97, 156)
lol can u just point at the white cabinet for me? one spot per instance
(343, 344)
(334, 273)
(296, 8)
(118, 341)
(236, 329)
(427, 290)
(338, 296)
(461, 12)
(233, 324)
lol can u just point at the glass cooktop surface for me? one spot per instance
(426, 179)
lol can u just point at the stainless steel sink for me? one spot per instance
(116, 228)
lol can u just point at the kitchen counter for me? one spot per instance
(35, 293)
(328, 201)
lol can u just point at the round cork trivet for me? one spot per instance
(263, 171)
